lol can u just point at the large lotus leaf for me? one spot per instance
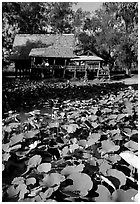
(131, 145)
(18, 180)
(52, 179)
(104, 194)
(30, 181)
(124, 196)
(12, 191)
(130, 158)
(104, 166)
(109, 146)
(72, 128)
(31, 134)
(22, 188)
(16, 139)
(44, 167)
(117, 174)
(34, 161)
(82, 143)
(93, 138)
(72, 169)
(114, 158)
(82, 183)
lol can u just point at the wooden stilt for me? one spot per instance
(75, 73)
(64, 71)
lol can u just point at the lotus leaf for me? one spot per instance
(52, 179)
(30, 181)
(109, 146)
(130, 158)
(82, 183)
(34, 161)
(16, 139)
(117, 174)
(44, 167)
(104, 194)
(124, 196)
(72, 169)
(131, 145)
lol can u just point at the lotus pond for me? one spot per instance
(76, 143)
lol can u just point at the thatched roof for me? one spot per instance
(54, 52)
(24, 43)
(87, 58)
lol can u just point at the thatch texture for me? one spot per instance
(53, 52)
(24, 43)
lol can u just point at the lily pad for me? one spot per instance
(109, 146)
(44, 167)
(72, 169)
(82, 183)
(117, 174)
(34, 161)
(130, 158)
(16, 139)
(124, 196)
(131, 145)
(52, 179)
(104, 194)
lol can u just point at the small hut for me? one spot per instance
(53, 60)
(24, 43)
(90, 64)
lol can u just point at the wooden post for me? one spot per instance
(75, 73)
(53, 68)
(98, 70)
(86, 71)
(64, 68)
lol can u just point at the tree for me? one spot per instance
(112, 32)
(61, 17)
(127, 14)
(9, 27)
